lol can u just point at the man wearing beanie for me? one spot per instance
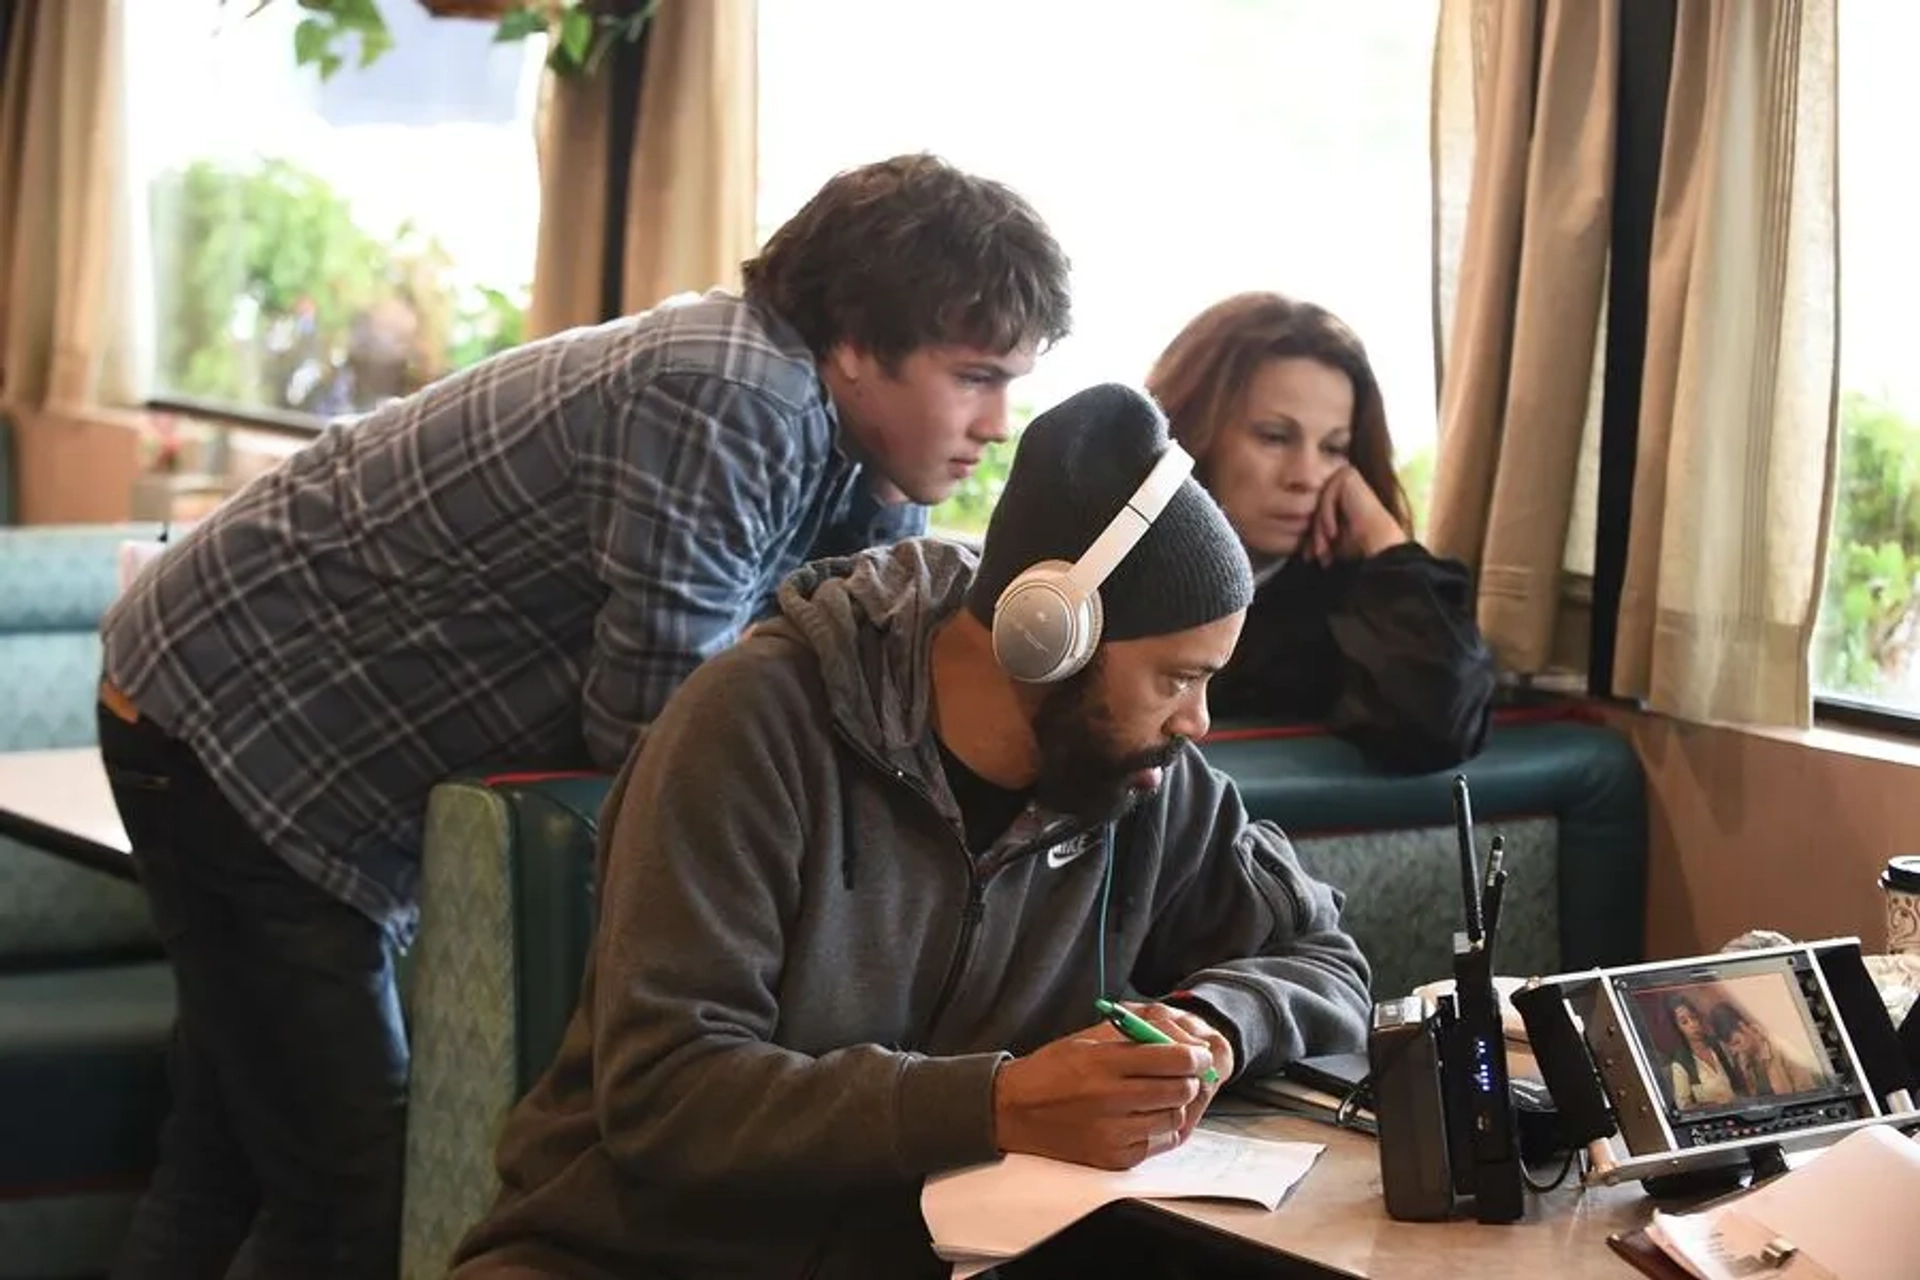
(860, 887)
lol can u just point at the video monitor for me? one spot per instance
(1717, 1062)
(1734, 1040)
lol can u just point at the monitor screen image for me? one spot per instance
(1730, 1041)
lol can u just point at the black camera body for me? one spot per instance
(1410, 1109)
(1443, 1105)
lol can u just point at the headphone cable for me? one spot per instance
(1106, 896)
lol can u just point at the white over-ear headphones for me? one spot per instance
(1046, 624)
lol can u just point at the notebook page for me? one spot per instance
(1221, 1166)
(1003, 1209)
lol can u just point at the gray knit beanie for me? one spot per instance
(1076, 466)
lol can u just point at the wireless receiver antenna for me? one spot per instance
(1469, 860)
(1476, 1059)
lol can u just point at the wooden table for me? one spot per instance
(60, 801)
(1334, 1225)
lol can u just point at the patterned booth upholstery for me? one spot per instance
(86, 1005)
(506, 910)
(506, 916)
(1568, 797)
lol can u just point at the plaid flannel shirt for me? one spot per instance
(515, 567)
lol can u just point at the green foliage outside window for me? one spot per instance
(966, 512)
(1870, 615)
(1416, 477)
(272, 295)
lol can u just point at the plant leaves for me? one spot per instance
(1871, 610)
(576, 34)
(312, 42)
(373, 43)
(273, 271)
(518, 24)
(579, 41)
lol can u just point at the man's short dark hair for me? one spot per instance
(911, 252)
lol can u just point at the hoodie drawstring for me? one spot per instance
(849, 843)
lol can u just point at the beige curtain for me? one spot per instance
(1524, 94)
(1734, 477)
(689, 218)
(65, 340)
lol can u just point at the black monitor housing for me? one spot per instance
(1718, 1062)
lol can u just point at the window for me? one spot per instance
(322, 247)
(1867, 648)
(1181, 153)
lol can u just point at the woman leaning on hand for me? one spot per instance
(1353, 623)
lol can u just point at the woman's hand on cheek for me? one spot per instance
(1351, 521)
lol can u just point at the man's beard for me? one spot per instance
(1083, 773)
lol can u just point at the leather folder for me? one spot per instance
(1646, 1257)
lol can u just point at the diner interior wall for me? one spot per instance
(74, 471)
(1778, 830)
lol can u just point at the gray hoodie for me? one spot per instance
(803, 983)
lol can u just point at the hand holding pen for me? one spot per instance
(1140, 1031)
(1106, 1100)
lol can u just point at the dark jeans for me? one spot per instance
(282, 1157)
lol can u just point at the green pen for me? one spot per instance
(1140, 1031)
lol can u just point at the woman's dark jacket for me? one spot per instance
(1383, 650)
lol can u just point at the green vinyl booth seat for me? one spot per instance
(86, 1001)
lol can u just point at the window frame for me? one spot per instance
(279, 422)
(1872, 717)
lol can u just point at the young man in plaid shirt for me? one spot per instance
(517, 565)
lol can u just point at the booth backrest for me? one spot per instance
(86, 1003)
(506, 917)
(56, 582)
(1569, 798)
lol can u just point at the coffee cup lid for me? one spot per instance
(1902, 873)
